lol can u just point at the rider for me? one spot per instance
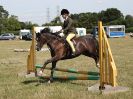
(68, 28)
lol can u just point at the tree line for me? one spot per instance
(110, 16)
(10, 23)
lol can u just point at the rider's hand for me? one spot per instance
(61, 31)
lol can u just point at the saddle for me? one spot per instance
(66, 44)
(63, 39)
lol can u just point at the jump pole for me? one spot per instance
(70, 70)
(72, 77)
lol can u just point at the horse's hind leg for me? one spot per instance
(96, 58)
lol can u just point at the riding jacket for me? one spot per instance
(68, 26)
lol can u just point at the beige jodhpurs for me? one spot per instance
(68, 38)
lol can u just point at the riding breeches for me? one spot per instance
(68, 38)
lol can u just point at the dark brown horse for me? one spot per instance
(60, 49)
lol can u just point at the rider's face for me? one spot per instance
(64, 16)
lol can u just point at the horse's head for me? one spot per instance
(39, 44)
(41, 38)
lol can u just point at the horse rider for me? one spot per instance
(68, 28)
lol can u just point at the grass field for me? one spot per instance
(13, 86)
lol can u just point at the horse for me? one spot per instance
(60, 49)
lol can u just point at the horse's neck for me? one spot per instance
(50, 40)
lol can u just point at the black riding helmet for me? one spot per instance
(64, 11)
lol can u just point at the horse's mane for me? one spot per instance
(48, 32)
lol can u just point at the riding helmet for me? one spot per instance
(64, 11)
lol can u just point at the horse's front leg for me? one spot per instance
(52, 71)
(53, 59)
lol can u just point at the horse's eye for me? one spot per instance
(36, 39)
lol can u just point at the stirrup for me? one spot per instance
(74, 53)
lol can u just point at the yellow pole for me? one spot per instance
(31, 57)
(100, 54)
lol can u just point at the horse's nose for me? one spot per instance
(37, 48)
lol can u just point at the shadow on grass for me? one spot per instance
(44, 81)
(40, 81)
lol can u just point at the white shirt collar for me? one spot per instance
(66, 18)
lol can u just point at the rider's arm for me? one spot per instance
(68, 25)
(58, 32)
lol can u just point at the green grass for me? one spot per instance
(13, 86)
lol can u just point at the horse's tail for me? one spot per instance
(97, 45)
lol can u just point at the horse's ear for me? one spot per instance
(45, 30)
(38, 34)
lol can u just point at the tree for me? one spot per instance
(13, 23)
(87, 20)
(22, 25)
(3, 13)
(129, 21)
(27, 25)
(3, 18)
(110, 14)
(55, 22)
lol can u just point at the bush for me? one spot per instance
(128, 30)
(89, 31)
(14, 32)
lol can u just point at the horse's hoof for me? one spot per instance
(49, 82)
(40, 73)
(98, 65)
